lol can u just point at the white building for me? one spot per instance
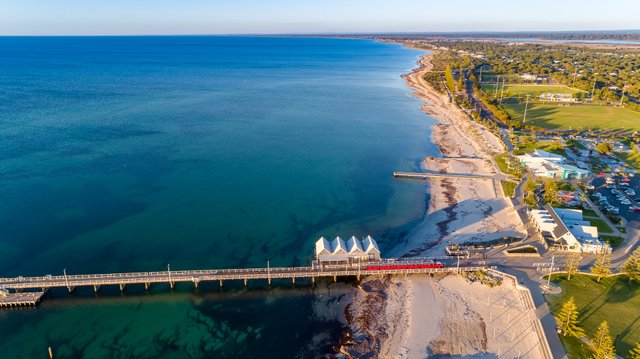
(568, 229)
(352, 251)
(557, 97)
(533, 78)
(546, 164)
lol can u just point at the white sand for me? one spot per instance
(479, 319)
(414, 316)
(423, 317)
(419, 316)
(460, 210)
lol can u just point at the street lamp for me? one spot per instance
(268, 272)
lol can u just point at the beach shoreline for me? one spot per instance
(459, 210)
(416, 316)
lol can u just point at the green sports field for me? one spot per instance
(554, 116)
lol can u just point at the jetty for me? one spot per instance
(354, 258)
(12, 300)
(13, 295)
(428, 175)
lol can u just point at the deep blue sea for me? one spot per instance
(131, 153)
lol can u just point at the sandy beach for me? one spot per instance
(459, 210)
(442, 316)
(421, 316)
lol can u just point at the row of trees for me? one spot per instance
(602, 266)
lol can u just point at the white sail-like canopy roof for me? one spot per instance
(323, 246)
(354, 246)
(338, 246)
(370, 246)
(353, 250)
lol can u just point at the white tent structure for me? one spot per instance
(340, 252)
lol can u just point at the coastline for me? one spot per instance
(461, 210)
(419, 316)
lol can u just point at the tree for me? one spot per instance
(632, 265)
(448, 76)
(604, 148)
(571, 266)
(602, 344)
(550, 191)
(460, 82)
(568, 319)
(635, 352)
(602, 267)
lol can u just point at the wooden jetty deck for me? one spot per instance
(27, 299)
(427, 175)
(12, 287)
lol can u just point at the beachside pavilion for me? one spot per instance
(546, 164)
(353, 251)
(568, 229)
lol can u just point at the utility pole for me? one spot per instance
(526, 106)
(575, 74)
(502, 90)
(268, 272)
(622, 97)
(480, 79)
(550, 270)
(595, 77)
(169, 272)
(66, 279)
(497, 85)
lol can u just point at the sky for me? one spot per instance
(156, 17)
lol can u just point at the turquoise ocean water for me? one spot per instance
(131, 153)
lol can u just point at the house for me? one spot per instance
(353, 251)
(545, 164)
(568, 229)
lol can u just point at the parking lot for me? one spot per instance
(623, 194)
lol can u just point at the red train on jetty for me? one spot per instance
(404, 265)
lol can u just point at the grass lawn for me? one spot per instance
(557, 117)
(630, 158)
(613, 299)
(509, 188)
(553, 147)
(524, 90)
(622, 229)
(589, 213)
(575, 144)
(566, 186)
(614, 241)
(602, 225)
(501, 162)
